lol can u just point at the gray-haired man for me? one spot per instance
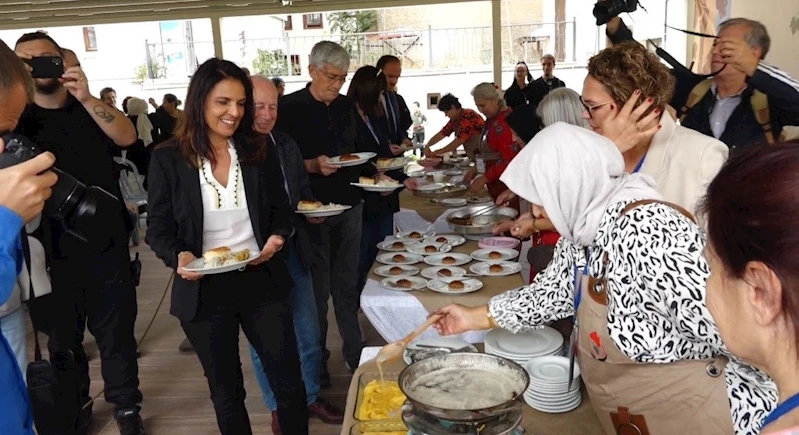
(323, 123)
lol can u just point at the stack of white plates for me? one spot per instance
(549, 389)
(524, 346)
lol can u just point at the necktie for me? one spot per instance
(392, 115)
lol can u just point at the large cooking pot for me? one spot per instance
(466, 361)
(487, 221)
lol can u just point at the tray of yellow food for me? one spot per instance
(379, 400)
(379, 428)
(221, 260)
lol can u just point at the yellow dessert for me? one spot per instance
(404, 432)
(382, 400)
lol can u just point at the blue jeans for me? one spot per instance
(374, 231)
(13, 329)
(306, 327)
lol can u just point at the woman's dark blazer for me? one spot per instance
(175, 220)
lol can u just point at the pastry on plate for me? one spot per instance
(366, 180)
(395, 271)
(415, 235)
(496, 268)
(309, 205)
(348, 158)
(494, 255)
(430, 249)
(449, 260)
(222, 256)
(441, 240)
(404, 283)
(397, 245)
(384, 162)
(445, 272)
(457, 285)
(398, 258)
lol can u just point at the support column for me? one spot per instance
(496, 40)
(216, 30)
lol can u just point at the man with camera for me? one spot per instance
(23, 190)
(85, 234)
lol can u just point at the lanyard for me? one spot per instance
(578, 284)
(782, 409)
(640, 163)
(372, 130)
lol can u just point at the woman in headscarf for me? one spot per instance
(519, 93)
(630, 269)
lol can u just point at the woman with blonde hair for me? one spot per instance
(497, 146)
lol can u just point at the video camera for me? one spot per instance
(81, 209)
(604, 11)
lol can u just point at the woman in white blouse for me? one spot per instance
(631, 268)
(217, 183)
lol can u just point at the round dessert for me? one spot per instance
(404, 283)
(430, 249)
(449, 260)
(398, 258)
(495, 268)
(308, 205)
(457, 285)
(494, 255)
(445, 272)
(398, 245)
(395, 271)
(441, 240)
(415, 235)
(348, 158)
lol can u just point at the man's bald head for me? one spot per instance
(265, 96)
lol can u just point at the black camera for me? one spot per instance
(607, 10)
(82, 210)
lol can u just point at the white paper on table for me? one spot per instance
(410, 220)
(369, 353)
(395, 314)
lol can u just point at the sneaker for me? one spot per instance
(129, 422)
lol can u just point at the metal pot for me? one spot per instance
(492, 217)
(466, 361)
(448, 190)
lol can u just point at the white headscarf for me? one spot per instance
(575, 175)
(144, 128)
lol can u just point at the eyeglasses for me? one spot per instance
(333, 77)
(591, 109)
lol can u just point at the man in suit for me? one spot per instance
(398, 116)
(301, 297)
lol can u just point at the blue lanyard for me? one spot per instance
(640, 163)
(372, 130)
(578, 284)
(782, 409)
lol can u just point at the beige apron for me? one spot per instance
(631, 398)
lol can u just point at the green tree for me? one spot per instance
(270, 63)
(350, 24)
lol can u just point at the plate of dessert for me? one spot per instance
(353, 159)
(456, 285)
(396, 245)
(404, 283)
(393, 271)
(416, 234)
(429, 248)
(453, 239)
(389, 164)
(399, 259)
(317, 209)
(503, 268)
(443, 272)
(371, 185)
(495, 255)
(448, 259)
(221, 260)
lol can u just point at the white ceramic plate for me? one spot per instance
(432, 342)
(453, 239)
(508, 268)
(325, 213)
(362, 158)
(432, 272)
(388, 245)
(551, 369)
(416, 283)
(385, 271)
(452, 172)
(377, 188)
(437, 260)
(442, 285)
(423, 234)
(506, 254)
(430, 187)
(530, 344)
(453, 202)
(389, 258)
(198, 266)
(396, 163)
(479, 199)
(421, 248)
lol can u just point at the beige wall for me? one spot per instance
(777, 19)
(474, 14)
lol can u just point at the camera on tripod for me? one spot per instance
(81, 209)
(604, 11)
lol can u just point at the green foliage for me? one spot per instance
(270, 62)
(156, 70)
(350, 24)
(794, 25)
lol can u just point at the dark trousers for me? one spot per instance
(95, 292)
(242, 299)
(375, 230)
(334, 269)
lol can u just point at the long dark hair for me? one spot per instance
(752, 211)
(365, 88)
(191, 136)
(529, 76)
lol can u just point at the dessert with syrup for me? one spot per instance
(445, 272)
(494, 255)
(398, 258)
(404, 283)
(348, 158)
(223, 256)
(430, 249)
(395, 271)
(309, 205)
(385, 162)
(415, 235)
(366, 180)
(398, 245)
(496, 268)
(457, 285)
(449, 260)
(441, 240)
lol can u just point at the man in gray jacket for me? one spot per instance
(301, 298)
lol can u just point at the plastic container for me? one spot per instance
(371, 427)
(499, 242)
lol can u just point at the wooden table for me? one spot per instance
(581, 421)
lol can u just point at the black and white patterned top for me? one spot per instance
(655, 299)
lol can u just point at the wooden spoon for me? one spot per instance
(393, 350)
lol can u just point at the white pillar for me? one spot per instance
(216, 30)
(496, 39)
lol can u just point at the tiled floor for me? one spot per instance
(176, 397)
